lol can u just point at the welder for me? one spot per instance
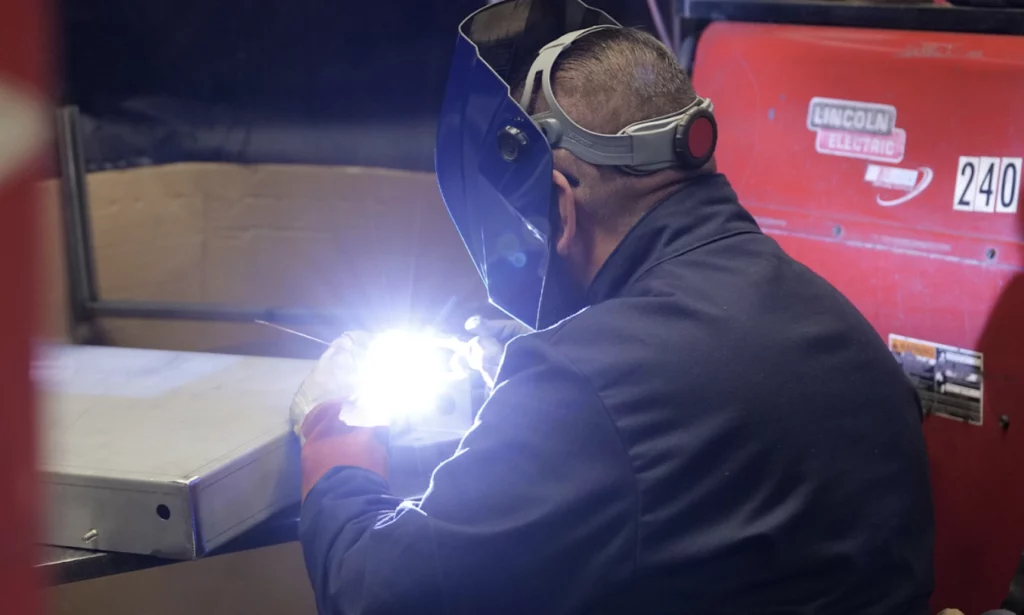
(697, 424)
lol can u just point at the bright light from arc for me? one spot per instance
(403, 374)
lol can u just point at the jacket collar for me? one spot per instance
(703, 211)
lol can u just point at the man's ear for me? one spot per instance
(566, 213)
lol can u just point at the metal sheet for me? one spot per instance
(173, 454)
(165, 453)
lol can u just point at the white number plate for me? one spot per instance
(987, 184)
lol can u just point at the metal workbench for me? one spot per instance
(164, 453)
(411, 468)
(62, 565)
(153, 456)
(66, 565)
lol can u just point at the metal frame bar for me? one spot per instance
(167, 310)
(85, 304)
(881, 15)
(691, 17)
(78, 252)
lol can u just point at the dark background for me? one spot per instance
(309, 81)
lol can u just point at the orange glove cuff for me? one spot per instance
(330, 443)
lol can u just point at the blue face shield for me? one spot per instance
(494, 161)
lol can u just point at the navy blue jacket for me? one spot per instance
(719, 432)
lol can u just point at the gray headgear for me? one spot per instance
(684, 139)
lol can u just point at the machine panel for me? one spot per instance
(890, 162)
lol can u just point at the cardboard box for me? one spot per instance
(261, 236)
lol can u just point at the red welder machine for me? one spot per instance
(882, 146)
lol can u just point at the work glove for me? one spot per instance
(334, 379)
(330, 443)
(488, 347)
(334, 430)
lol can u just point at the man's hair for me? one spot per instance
(604, 82)
(615, 77)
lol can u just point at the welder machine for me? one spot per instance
(882, 146)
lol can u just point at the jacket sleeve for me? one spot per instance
(535, 513)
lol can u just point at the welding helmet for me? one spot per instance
(494, 161)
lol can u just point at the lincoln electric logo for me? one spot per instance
(856, 129)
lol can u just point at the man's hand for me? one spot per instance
(488, 347)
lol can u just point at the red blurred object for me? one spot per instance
(22, 129)
(874, 214)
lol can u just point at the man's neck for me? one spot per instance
(643, 195)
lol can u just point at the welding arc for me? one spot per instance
(292, 331)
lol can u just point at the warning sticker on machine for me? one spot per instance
(948, 379)
(856, 129)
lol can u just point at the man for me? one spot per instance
(700, 423)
